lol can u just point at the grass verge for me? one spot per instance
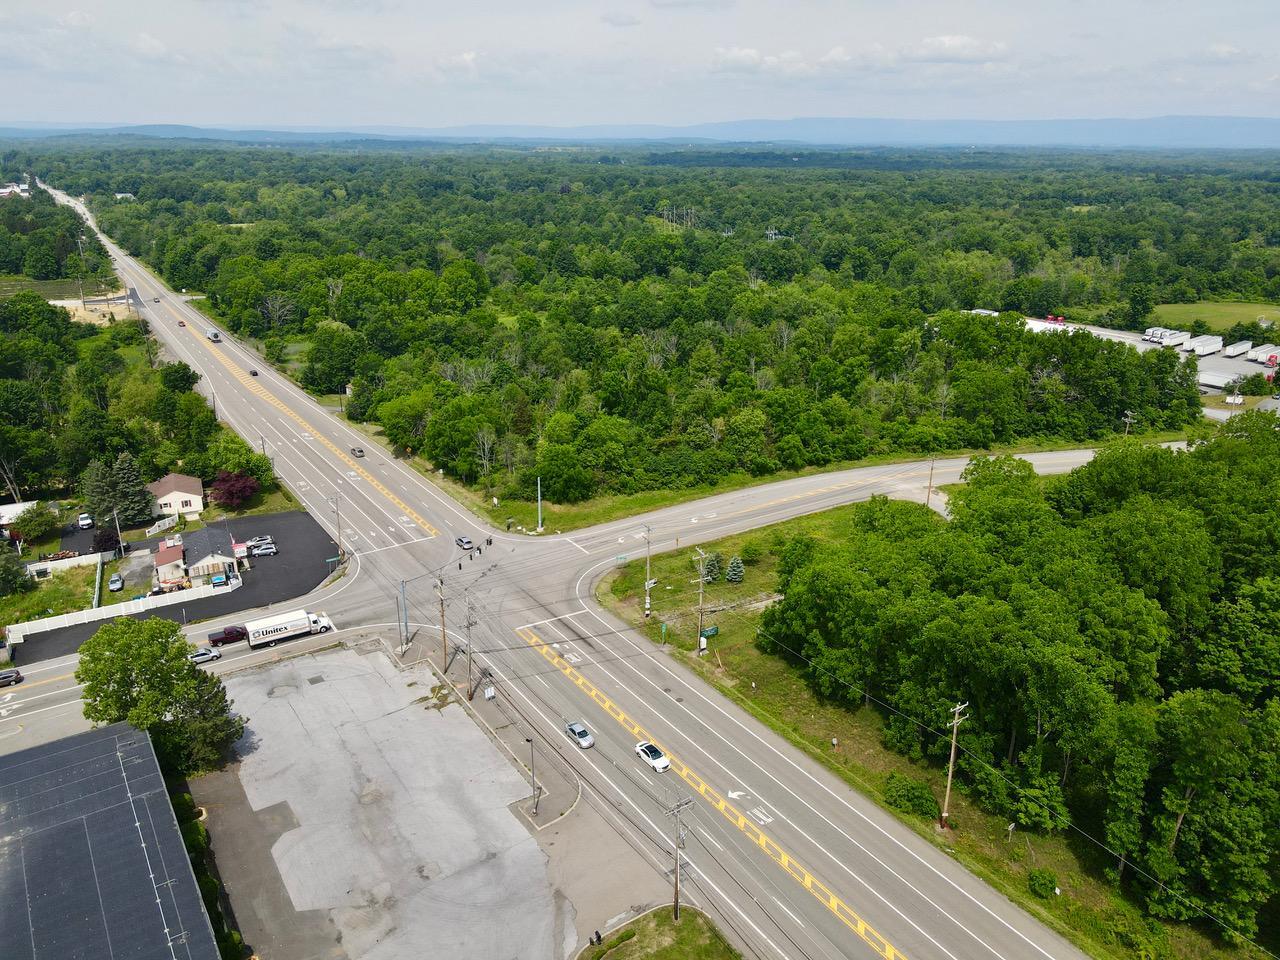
(1089, 911)
(64, 592)
(656, 936)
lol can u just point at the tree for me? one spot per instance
(712, 567)
(178, 377)
(486, 440)
(34, 523)
(132, 498)
(736, 570)
(138, 671)
(97, 489)
(232, 489)
(13, 574)
(106, 540)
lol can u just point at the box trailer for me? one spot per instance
(1237, 348)
(1173, 338)
(1260, 354)
(268, 631)
(1207, 346)
(1152, 332)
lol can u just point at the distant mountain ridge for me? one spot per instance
(1173, 132)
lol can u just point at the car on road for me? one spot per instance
(9, 677)
(357, 451)
(155, 299)
(182, 323)
(579, 734)
(116, 583)
(85, 521)
(1275, 396)
(231, 633)
(464, 543)
(204, 655)
(263, 550)
(259, 540)
(650, 754)
(253, 373)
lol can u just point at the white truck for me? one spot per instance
(268, 631)
(213, 335)
(1173, 338)
(1261, 354)
(1203, 346)
(1154, 333)
(1237, 348)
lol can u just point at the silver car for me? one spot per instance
(116, 583)
(579, 734)
(204, 655)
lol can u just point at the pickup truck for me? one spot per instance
(229, 634)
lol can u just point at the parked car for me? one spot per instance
(263, 550)
(464, 543)
(9, 677)
(228, 634)
(357, 451)
(182, 323)
(654, 757)
(85, 520)
(579, 734)
(259, 540)
(204, 655)
(116, 583)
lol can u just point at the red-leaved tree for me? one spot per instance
(232, 489)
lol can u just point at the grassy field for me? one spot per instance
(656, 936)
(1218, 314)
(63, 592)
(52, 289)
(1089, 911)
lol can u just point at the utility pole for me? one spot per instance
(539, 504)
(928, 494)
(444, 637)
(80, 269)
(677, 845)
(702, 584)
(533, 775)
(337, 513)
(648, 573)
(956, 720)
(404, 607)
(471, 621)
(1129, 420)
(115, 515)
(263, 440)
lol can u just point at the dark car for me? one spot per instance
(9, 677)
(253, 373)
(230, 634)
(155, 299)
(182, 323)
(357, 451)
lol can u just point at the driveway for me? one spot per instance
(363, 819)
(298, 568)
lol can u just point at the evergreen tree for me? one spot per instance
(97, 489)
(712, 567)
(132, 498)
(736, 571)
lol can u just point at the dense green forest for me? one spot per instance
(1116, 634)
(38, 240)
(616, 323)
(72, 394)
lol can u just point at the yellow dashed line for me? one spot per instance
(788, 863)
(254, 387)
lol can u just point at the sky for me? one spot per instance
(351, 63)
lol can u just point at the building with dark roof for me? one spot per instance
(208, 551)
(92, 864)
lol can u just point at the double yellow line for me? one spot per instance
(793, 868)
(252, 384)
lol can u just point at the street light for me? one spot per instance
(537, 793)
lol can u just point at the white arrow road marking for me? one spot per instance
(737, 794)
(760, 816)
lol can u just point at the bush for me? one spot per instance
(13, 574)
(34, 523)
(105, 541)
(753, 551)
(196, 839)
(1042, 883)
(232, 489)
(910, 796)
(184, 808)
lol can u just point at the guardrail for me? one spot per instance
(18, 632)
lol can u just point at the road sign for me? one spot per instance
(709, 632)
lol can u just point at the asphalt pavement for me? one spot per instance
(791, 860)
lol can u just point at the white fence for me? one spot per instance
(164, 523)
(42, 568)
(17, 632)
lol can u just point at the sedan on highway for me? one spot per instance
(579, 734)
(650, 754)
(182, 323)
(204, 655)
(357, 451)
(464, 543)
(155, 299)
(9, 677)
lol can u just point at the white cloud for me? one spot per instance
(154, 49)
(463, 65)
(620, 19)
(955, 48)
(749, 60)
(75, 20)
(692, 4)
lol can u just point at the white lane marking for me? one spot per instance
(365, 553)
(563, 616)
(48, 693)
(841, 800)
(578, 545)
(32, 713)
(789, 913)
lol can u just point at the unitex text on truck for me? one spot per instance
(269, 631)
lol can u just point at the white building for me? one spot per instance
(177, 494)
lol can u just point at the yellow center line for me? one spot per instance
(784, 860)
(252, 384)
(28, 684)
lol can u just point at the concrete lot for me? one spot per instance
(299, 567)
(364, 820)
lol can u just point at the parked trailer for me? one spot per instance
(1204, 346)
(1174, 338)
(1150, 332)
(1237, 348)
(268, 631)
(1260, 354)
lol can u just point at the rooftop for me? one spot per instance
(91, 861)
(207, 542)
(175, 483)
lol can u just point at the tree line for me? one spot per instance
(43, 241)
(1116, 634)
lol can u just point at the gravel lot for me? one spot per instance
(387, 821)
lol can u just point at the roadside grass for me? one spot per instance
(275, 500)
(656, 936)
(54, 289)
(563, 518)
(64, 592)
(1218, 314)
(1089, 911)
(1218, 401)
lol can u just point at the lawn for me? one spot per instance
(275, 500)
(1089, 911)
(64, 592)
(1218, 314)
(656, 936)
(53, 289)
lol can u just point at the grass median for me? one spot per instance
(656, 936)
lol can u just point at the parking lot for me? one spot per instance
(299, 567)
(364, 819)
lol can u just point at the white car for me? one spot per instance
(579, 734)
(204, 655)
(259, 541)
(654, 757)
(85, 521)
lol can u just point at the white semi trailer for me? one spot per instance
(268, 631)
(1237, 348)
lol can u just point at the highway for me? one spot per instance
(793, 862)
